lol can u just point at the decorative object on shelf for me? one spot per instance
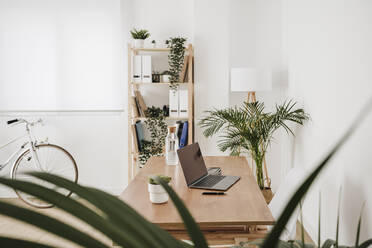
(153, 43)
(251, 129)
(157, 192)
(166, 110)
(158, 131)
(155, 77)
(139, 37)
(165, 77)
(166, 43)
(171, 146)
(176, 60)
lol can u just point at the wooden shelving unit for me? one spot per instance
(132, 155)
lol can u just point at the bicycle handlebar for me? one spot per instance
(12, 121)
(24, 121)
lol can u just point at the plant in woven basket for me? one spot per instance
(175, 59)
(158, 131)
(250, 129)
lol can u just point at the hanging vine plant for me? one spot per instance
(175, 60)
(158, 131)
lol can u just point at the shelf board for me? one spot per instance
(166, 118)
(150, 49)
(161, 83)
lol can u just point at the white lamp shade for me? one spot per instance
(250, 79)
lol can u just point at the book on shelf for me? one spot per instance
(141, 103)
(184, 135)
(140, 134)
(134, 106)
(135, 138)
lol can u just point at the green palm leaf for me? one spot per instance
(49, 224)
(118, 212)
(366, 244)
(329, 243)
(119, 234)
(193, 229)
(273, 237)
(18, 243)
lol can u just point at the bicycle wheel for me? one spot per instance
(53, 159)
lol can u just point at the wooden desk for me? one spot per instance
(222, 218)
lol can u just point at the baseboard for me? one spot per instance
(310, 229)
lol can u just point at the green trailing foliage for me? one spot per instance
(157, 127)
(249, 129)
(119, 222)
(141, 34)
(175, 59)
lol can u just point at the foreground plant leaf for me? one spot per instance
(273, 238)
(193, 229)
(80, 211)
(19, 243)
(49, 224)
(118, 212)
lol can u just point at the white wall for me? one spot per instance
(60, 55)
(328, 54)
(75, 48)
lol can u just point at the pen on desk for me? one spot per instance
(213, 193)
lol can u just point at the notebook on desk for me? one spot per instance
(196, 173)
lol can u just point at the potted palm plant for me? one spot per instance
(249, 129)
(139, 37)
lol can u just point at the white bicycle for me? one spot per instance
(34, 155)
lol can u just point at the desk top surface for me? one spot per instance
(243, 203)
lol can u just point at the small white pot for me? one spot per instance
(157, 193)
(166, 78)
(153, 45)
(139, 43)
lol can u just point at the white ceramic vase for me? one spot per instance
(157, 193)
(139, 43)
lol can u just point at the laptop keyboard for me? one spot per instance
(209, 181)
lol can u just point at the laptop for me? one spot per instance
(196, 173)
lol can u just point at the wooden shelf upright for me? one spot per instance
(132, 155)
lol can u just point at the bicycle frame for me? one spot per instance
(28, 145)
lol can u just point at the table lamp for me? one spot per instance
(250, 80)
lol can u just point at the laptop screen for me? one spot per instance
(192, 163)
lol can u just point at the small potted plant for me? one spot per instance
(139, 37)
(157, 192)
(153, 43)
(165, 77)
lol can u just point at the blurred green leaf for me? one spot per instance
(19, 243)
(49, 224)
(193, 229)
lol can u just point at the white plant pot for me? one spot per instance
(157, 193)
(139, 43)
(153, 45)
(166, 78)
